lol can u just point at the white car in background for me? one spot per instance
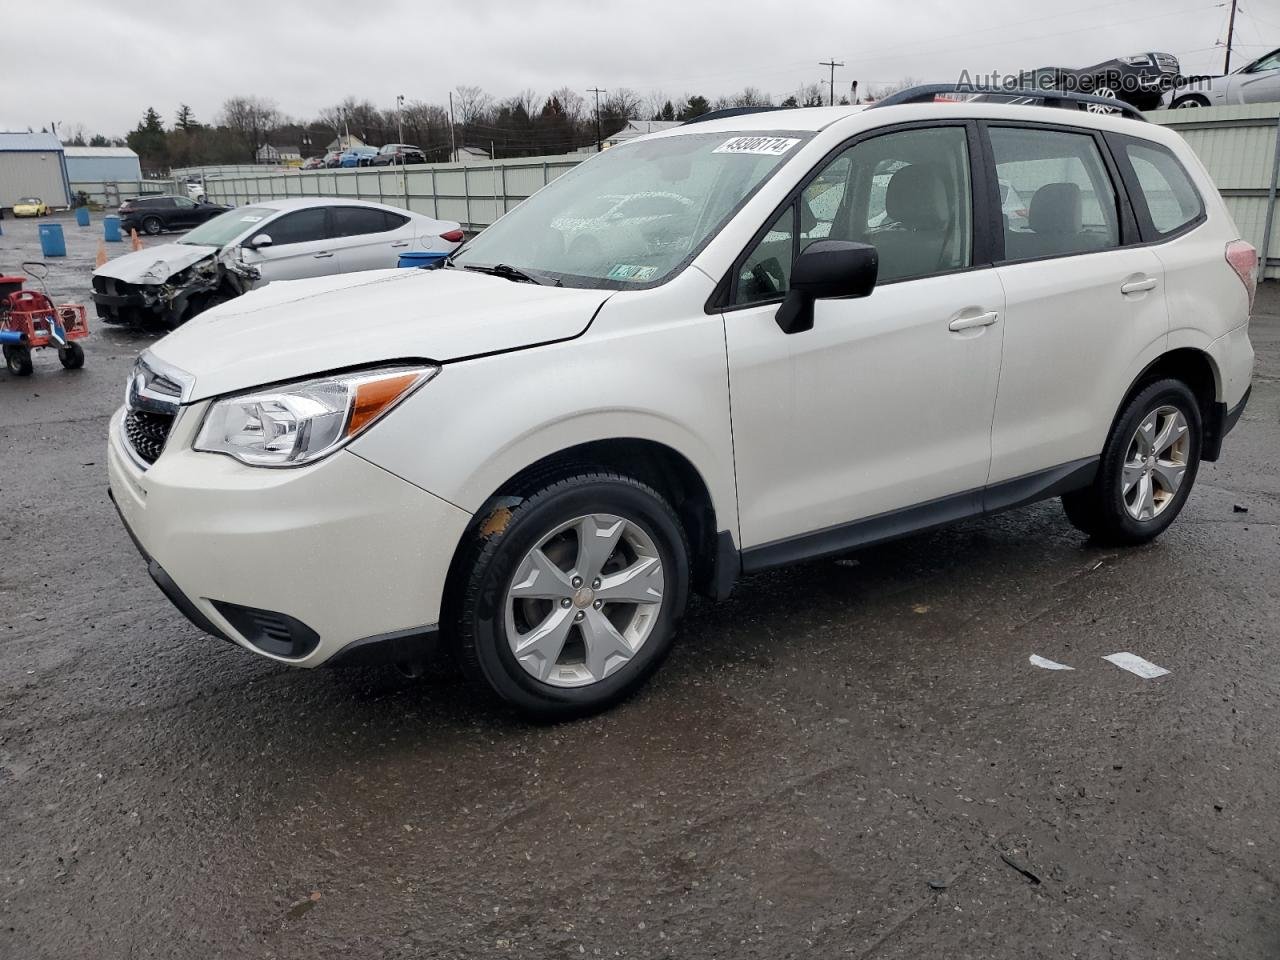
(256, 244)
(1256, 82)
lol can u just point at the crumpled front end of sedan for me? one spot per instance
(164, 297)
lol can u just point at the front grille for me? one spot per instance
(1167, 63)
(147, 433)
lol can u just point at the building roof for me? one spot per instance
(29, 141)
(99, 152)
(638, 128)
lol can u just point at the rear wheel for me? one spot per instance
(569, 600)
(1106, 93)
(152, 226)
(18, 360)
(71, 356)
(1147, 468)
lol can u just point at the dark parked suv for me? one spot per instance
(396, 154)
(156, 214)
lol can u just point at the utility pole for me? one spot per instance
(1231, 29)
(832, 63)
(400, 118)
(597, 91)
(453, 143)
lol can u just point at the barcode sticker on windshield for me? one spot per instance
(767, 146)
(250, 219)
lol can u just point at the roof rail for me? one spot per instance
(926, 93)
(729, 112)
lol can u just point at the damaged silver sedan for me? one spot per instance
(165, 285)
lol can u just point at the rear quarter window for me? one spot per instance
(1171, 199)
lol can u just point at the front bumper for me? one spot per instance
(338, 561)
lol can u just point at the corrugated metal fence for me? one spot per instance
(1239, 145)
(111, 193)
(473, 194)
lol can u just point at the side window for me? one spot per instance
(182, 203)
(907, 193)
(301, 226)
(395, 220)
(1070, 200)
(1172, 200)
(355, 221)
(766, 272)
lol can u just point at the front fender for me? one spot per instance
(482, 421)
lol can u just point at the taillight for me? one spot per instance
(1243, 258)
(455, 236)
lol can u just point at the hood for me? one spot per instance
(297, 328)
(175, 256)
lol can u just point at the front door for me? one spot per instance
(886, 402)
(300, 246)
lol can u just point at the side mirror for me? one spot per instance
(826, 269)
(261, 240)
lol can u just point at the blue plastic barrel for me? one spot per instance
(111, 229)
(11, 337)
(82, 216)
(52, 243)
(420, 258)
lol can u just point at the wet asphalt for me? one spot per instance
(850, 758)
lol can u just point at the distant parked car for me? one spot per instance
(313, 163)
(1139, 80)
(333, 159)
(253, 245)
(30, 207)
(154, 215)
(195, 190)
(357, 157)
(396, 154)
(1257, 82)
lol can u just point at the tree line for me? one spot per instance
(525, 124)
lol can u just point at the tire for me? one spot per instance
(1107, 93)
(152, 226)
(567, 674)
(18, 360)
(1106, 509)
(71, 356)
(1191, 101)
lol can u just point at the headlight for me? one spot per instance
(299, 423)
(1138, 60)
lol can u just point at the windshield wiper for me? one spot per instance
(508, 272)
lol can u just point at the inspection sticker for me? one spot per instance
(632, 272)
(766, 146)
(250, 219)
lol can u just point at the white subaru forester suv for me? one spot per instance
(834, 334)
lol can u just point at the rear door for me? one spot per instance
(1084, 303)
(301, 246)
(185, 214)
(370, 238)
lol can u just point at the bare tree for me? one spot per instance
(880, 92)
(470, 104)
(572, 106)
(253, 118)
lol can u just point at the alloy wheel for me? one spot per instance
(584, 600)
(1155, 463)
(1107, 94)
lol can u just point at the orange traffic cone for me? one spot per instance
(135, 239)
(101, 258)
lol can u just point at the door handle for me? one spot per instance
(1138, 286)
(967, 323)
(324, 254)
(401, 243)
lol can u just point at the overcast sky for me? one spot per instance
(101, 64)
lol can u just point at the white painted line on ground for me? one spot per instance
(1136, 665)
(1038, 661)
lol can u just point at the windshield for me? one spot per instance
(634, 214)
(29, 200)
(226, 227)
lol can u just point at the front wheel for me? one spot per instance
(1147, 468)
(569, 600)
(71, 356)
(1192, 101)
